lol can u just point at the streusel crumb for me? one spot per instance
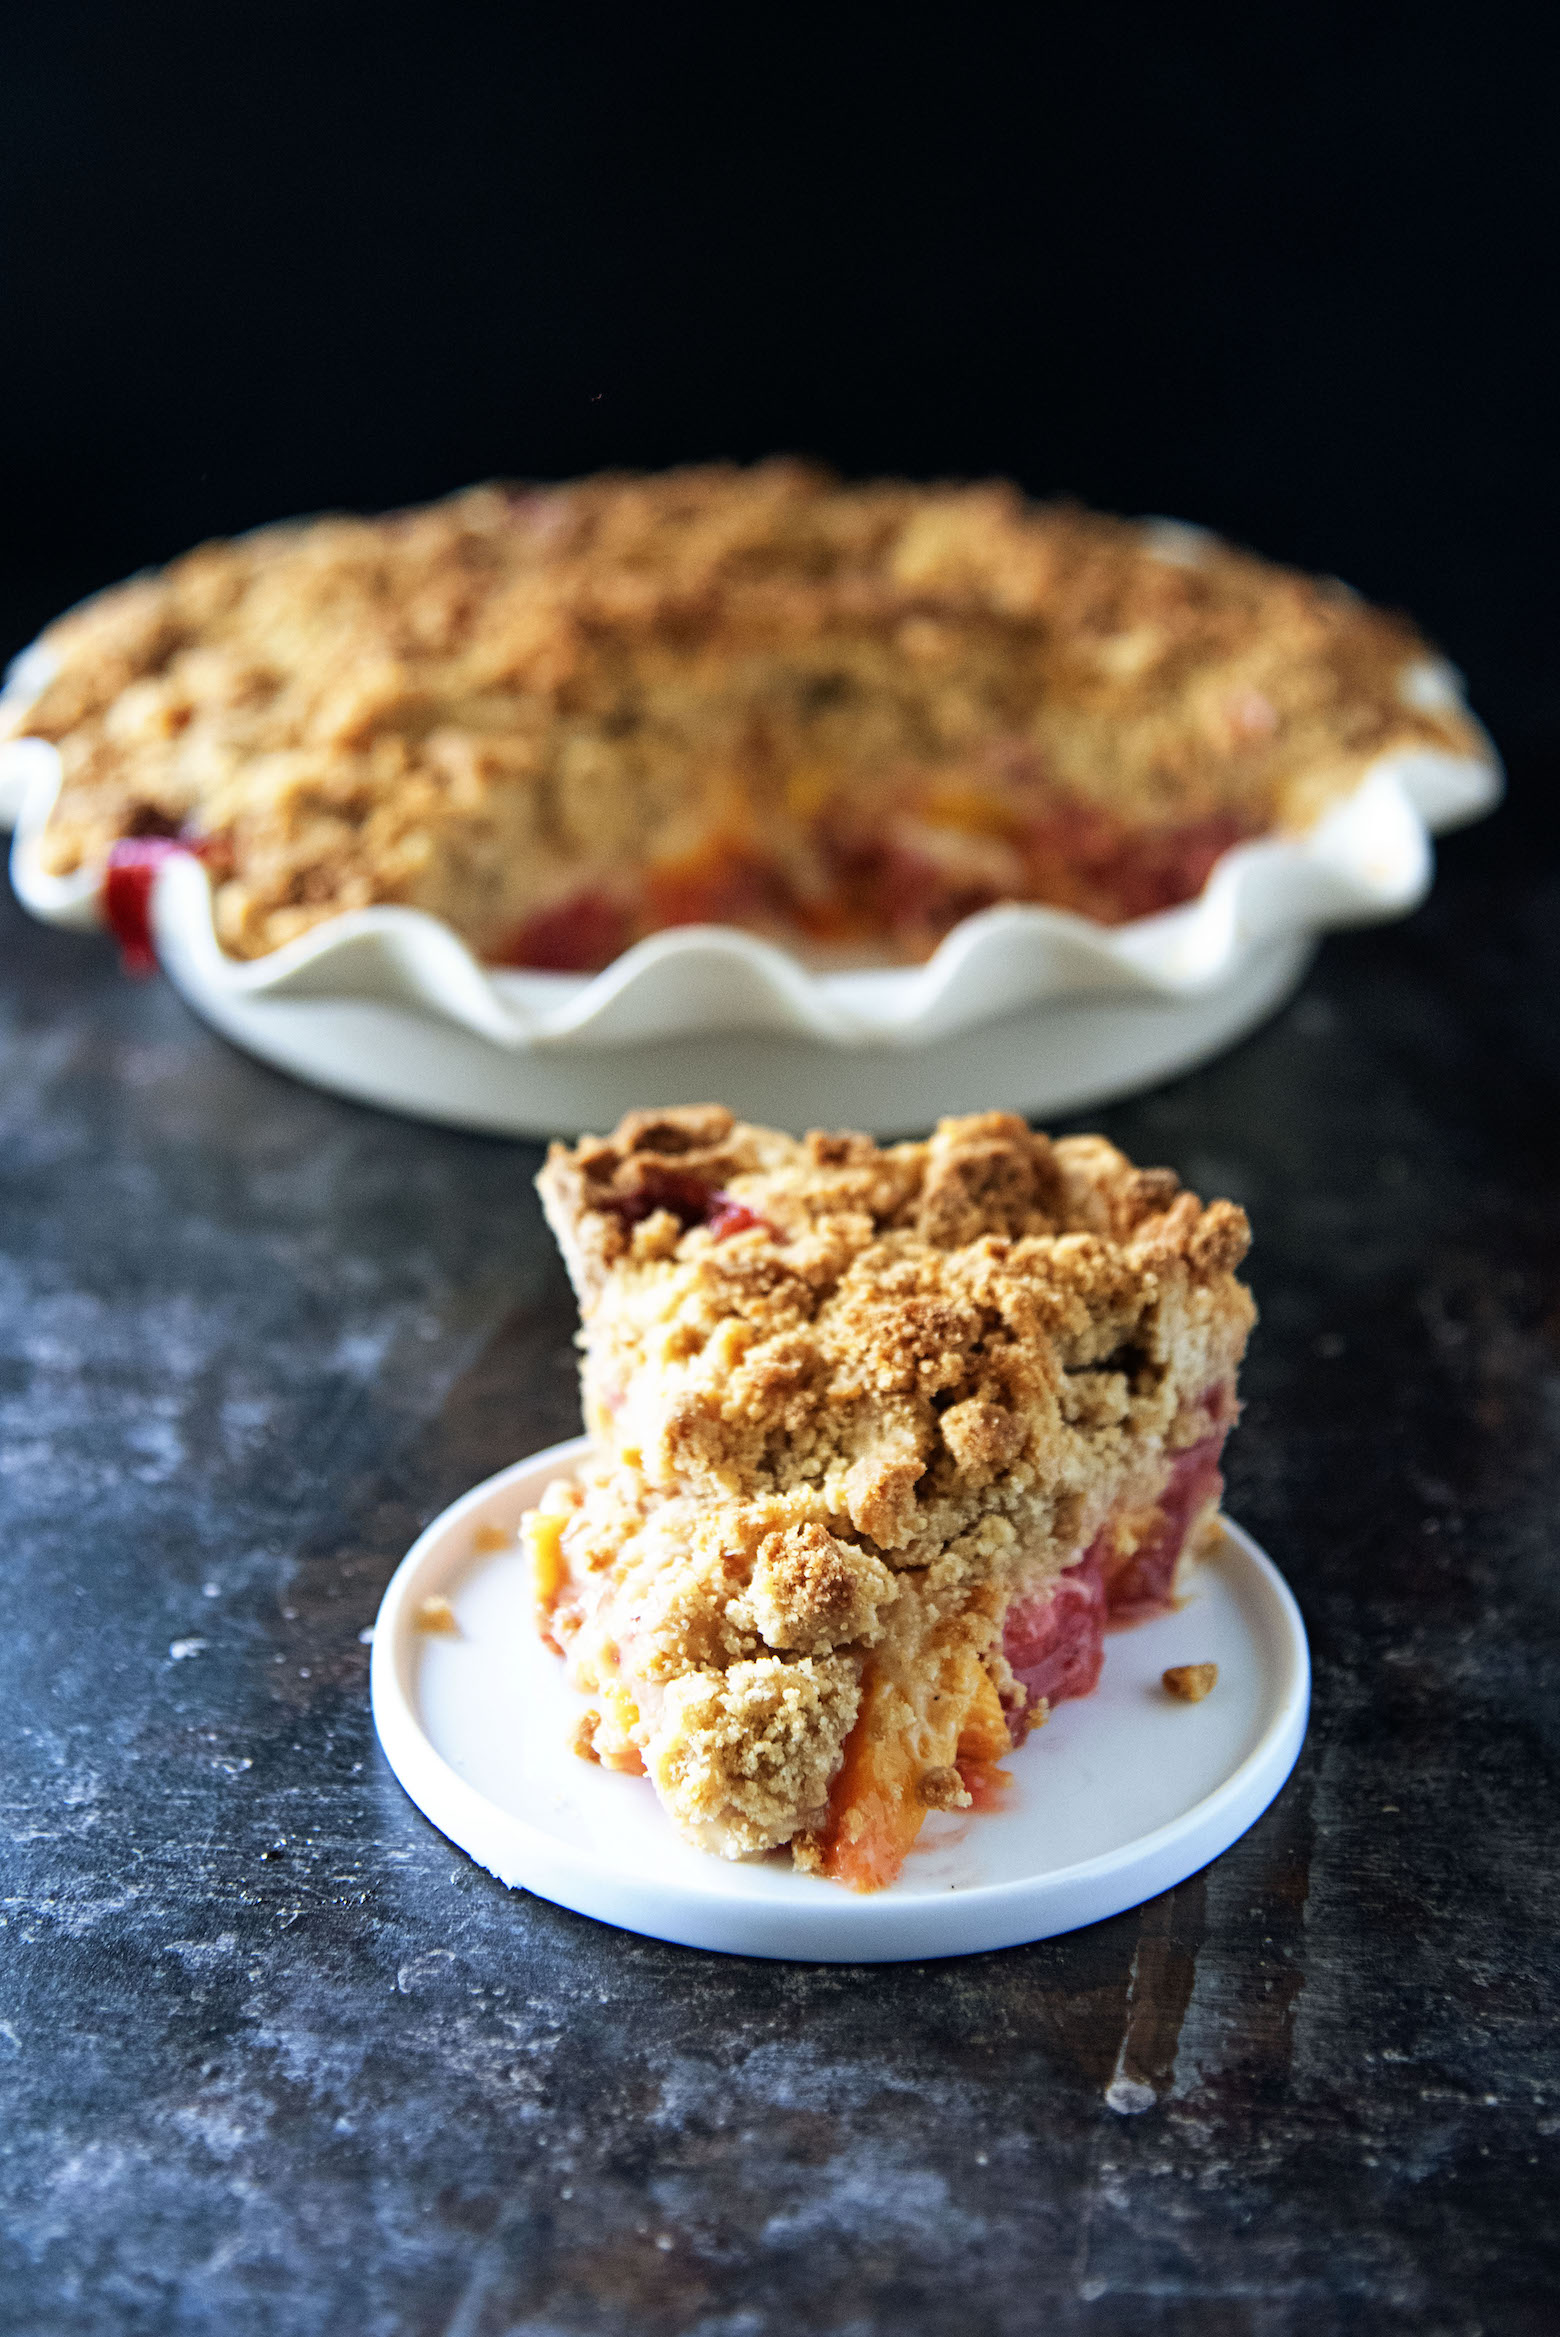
(745, 1756)
(1191, 1682)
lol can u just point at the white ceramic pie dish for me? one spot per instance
(1031, 1009)
(1118, 1797)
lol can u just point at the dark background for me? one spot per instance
(1285, 271)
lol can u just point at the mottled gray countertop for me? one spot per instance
(277, 2058)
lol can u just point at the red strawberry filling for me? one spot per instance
(1055, 1640)
(130, 879)
(725, 1214)
(133, 865)
(689, 1201)
(1140, 1584)
(576, 936)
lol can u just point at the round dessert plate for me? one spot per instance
(1121, 1794)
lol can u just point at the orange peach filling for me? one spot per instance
(877, 1804)
(899, 876)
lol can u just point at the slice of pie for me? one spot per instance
(885, 1438)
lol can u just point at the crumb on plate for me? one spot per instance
(1192, 1681)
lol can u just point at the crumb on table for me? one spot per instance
(1191, 1681)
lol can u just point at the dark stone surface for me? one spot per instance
(277, 2058)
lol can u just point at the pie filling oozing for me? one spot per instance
(845, 717)
(885, 1440)
(900, 875)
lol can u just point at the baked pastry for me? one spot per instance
(883, 1438)
(846, 717)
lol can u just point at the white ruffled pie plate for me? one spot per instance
(1117, 1798)
(1023, 1008)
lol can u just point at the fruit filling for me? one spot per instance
(134, 865)
(904, 873)
(579, 934)
(1054, 1641)
(1140, 1583)
(130, 878)
(691, 1203)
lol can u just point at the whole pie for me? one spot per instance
(562, 718)
(883, 1440)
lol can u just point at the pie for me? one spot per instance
(882, 1440)
(846, 717)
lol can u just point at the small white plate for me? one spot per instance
(1117, 1798)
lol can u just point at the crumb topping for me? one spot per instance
(902, 1328)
